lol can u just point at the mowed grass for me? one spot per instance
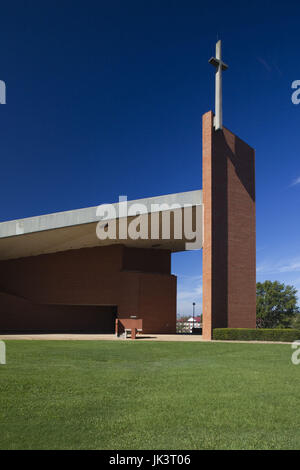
(156, 395)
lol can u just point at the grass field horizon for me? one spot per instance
(139, 395)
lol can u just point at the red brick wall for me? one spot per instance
(20, 315)
(145, 260)
(90, 277)
(157, 300)
(229, 250)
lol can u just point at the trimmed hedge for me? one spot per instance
(260, 334)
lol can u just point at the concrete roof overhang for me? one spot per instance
(76, 229)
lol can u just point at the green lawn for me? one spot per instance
(156, 395)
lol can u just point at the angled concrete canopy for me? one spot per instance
(76, 229)
(56, 275)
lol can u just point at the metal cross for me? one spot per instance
(220, 66)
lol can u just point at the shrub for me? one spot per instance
(261, 334)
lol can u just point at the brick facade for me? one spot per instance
(229, 248)
(76, 284)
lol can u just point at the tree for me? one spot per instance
(276, 305)
(296, 322)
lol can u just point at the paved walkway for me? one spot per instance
(94, 337)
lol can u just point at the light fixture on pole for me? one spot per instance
(194, 304)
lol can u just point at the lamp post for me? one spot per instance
(194, 304)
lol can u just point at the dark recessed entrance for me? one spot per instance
(64, 319)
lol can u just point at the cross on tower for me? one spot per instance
(220, 66)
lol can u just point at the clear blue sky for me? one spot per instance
(106, 98)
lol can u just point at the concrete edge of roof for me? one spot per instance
(88, 215)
